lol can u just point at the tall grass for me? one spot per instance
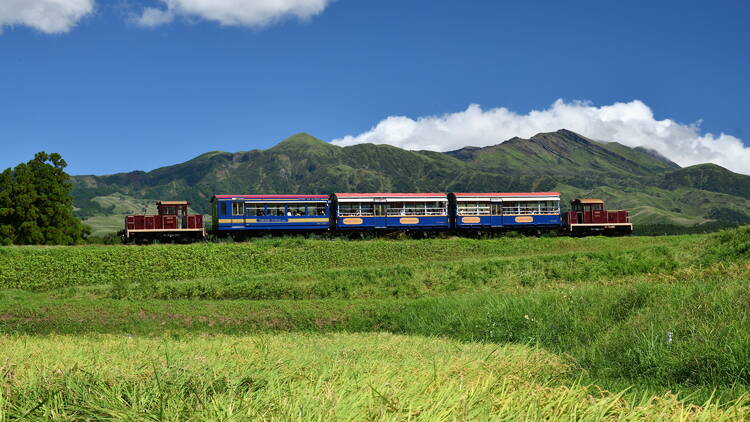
(310, 377)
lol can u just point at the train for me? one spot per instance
(360, 214)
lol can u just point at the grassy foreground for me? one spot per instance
(145, 332)
(309, 377)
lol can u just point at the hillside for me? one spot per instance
(657, 190)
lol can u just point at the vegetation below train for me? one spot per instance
(657, 314)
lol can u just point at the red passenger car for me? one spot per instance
(588, 216)
(172, 223)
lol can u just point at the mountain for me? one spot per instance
(655, 189)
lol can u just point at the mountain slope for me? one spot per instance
(634, 178)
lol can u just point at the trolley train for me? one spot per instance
(357, 213)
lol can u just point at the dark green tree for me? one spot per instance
(36, 205)
(7, 212)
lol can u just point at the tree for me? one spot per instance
(7, 212)
(36, 206)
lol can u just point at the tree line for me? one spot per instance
(36, 205)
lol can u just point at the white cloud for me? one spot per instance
(252, 13)
(632, 124)
(49, 16)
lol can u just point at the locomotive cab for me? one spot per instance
(178, 209)
(589, 216)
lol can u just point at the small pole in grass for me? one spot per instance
(669, 338)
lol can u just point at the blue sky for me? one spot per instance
(112, 94)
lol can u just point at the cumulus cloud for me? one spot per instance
(632, 124)
(49, 16)
(251, 13)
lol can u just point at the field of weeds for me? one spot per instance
(439, 329)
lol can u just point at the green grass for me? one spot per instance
(643, 317)
(36, 268)
(310, 377)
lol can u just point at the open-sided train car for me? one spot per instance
(390, 211)
(506, 211)
(269, 213)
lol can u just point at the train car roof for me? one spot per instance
(390, 197)
(511, 196)
(508, 194)
(274, 197)
(587, 201)
(385, 195)
(172, 203)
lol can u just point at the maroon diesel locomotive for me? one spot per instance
(589, 217)
(172, 223)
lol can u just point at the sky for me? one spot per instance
(121, 85)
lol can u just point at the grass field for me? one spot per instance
(441, 329)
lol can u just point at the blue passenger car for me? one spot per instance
(534, 210)
(390, 211)
(277, 213)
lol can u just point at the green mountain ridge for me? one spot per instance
(656, 190)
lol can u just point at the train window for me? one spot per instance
(436, 208)
(366, 209)
(473, 208)
(276, 210)
(497, 208)
(316, 209)
(396, 208)
(254, 209)
(528, 207)
(238, 208)
(356, 209)
(549, 207)
(296, 210)
(510, 207)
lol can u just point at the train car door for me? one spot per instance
(379, 211)
(496, 212)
